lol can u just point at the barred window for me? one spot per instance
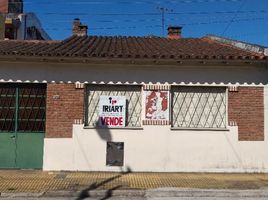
(22, 107)
(199, 107)
(133, 103)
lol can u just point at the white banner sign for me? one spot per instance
(112, 111)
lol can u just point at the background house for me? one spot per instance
(14, 24)
(188, 104)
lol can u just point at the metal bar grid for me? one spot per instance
(32, 101)
(133, 104)
(22, 107)
(7, 109)
(199, 107)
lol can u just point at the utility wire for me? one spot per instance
(228, 25)
(182, 24)
(44, 2)
(175, 19)
(153, 14)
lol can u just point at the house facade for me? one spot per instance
(92, 103)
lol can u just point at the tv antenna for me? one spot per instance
(163, 11)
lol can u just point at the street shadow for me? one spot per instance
(109, 193)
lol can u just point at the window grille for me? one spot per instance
(199, 107)
(133, 104)
(22, 107)
(32, 109)
(7, 108)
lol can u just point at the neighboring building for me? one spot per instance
(93, 103)
(241, 45)
(18, 25)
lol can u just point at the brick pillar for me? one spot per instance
(246, 108)
(65, 105)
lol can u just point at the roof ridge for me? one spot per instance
(243, 46)
(233, 47)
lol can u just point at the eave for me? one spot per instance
(136, 62)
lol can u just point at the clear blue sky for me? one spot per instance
(245, 20)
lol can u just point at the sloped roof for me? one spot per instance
(128, 47)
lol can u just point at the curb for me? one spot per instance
(21, 195)
(96, 193)
(173, 192)
(151, 193)
(75, 194)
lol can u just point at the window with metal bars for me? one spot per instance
(199, 107)
(22, 107)
(133, 103)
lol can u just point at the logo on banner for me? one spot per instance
(112, 111)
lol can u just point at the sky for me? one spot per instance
(245, 20)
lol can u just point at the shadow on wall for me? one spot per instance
(105, 135)
(109, 193)
(114, 149)
(104, 132)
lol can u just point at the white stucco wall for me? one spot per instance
(159, 149)
(132, 73)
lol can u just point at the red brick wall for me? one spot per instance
(65, 104)
(246, 108)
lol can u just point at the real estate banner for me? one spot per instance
(112, 111)
(156, 107)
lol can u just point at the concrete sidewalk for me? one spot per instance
(39, 184)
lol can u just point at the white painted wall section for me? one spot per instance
(58, 154)
(128, 73)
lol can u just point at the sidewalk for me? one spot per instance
(28, 181)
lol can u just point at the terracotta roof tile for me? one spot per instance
(128, 47)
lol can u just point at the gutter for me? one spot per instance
(134, 62)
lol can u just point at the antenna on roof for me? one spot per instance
(163, 10)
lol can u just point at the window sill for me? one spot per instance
(199, 129)
(117, 128)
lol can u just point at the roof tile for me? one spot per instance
(128, 47)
